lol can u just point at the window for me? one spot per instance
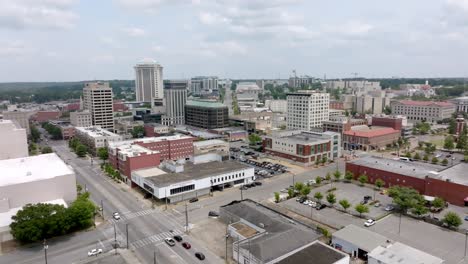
(183, 189)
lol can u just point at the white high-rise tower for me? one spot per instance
(149, 82)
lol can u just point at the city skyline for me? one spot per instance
(72, 40)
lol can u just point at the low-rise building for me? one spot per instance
(179, 181)
(402, 254)
(215, 145)
(67, 130)
(342, 124)
(258, 122)
(277, 106)
(461, 104)
(45, 116)
(81, 118)
(206, 114)
(369, 137)
(95, 137)
(124, 127)
(302, 146)
(231, 134)
(155, 129)
(317, 252)
(25, 181)
(13, 140)
(423, 110)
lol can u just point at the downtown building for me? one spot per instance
(13, 140)
(175, 98)
(97, 99)
(307, 109)
(203, 85)
(149, 82)
(423, 110)
(95, 137)
(206, 114)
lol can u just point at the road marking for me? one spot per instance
(154, 239)
(129, 215)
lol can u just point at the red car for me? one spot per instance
(186, 245)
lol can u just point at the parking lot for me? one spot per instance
(263, 169)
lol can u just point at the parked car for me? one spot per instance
(186, 245)
(200, 256)
(367, 197)
(178, 238)
(377, 204)
(213, 214)
(389, 208)
(258, 183)
(320, 206)
(364, 201)
(169, 241)
(94, 252)
(193, 200)
(285, 190)
(369, 222)
(116, 216)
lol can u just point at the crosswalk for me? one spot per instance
(131, 215)
(154, 239)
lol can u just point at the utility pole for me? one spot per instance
(165, 196)
(227, 236)
(46, 246)
(399, 225)
(242, 192)
(154, 257)
(466, 241)
(115, 239)
(102, 209)
(126, 229)
(186, 218)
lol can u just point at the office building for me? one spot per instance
(277, 106)
(13, 140)
(203, 85)
(429, 111)
(342, 124)
(20, 117)
(307, 109)
(300, 81)
(305, 148)
(355, 87)
(81, 118)
(149, 81)
(461, 104)
(175, 98)
(95, 137)
(206, 114)
(45, 116)
(97, 99)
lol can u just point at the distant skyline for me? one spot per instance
(74, 40)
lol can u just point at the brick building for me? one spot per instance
(44, 116)
(368, 138)
(342, 124)
(388, 121)
(155, 129)
(450, 183)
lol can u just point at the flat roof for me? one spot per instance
(399, 253)
(134, 150)
(316, 253)
(210, 104)
(94, 131)
(244, 230)
(360, 237)
(191, 172)
(34, 168)
(374, 131)
(146, 140)
(408, 168)
(210, 142)
(457, 174)
(303, 137)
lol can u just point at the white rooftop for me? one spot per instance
(119, 144)
(399, 253)
(95, 131)
(34, 168)
(210, 142)
(5, 218)
(134, 150)
(155, 171)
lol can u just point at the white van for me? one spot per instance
(404, 159)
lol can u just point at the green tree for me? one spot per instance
(349, 176)
(35, 134)
(435, 160)
(324, 159)
(379, 183)
(438, 203)
(405, 197)
(32, 147)
(361, 209)
(444, 162)
(81, 150)
(331, 199)
(318, 179)
(337, 175)
(305, 191)
(363, 179)
(298, 186)
(81, 212)
(317, 162)
(254, 139)
(426, 158)
(417, 156)
(328, 176)
(277, 197)
(72, 143)
(452, 219)
(448, 143)
(138, 132)
(103, 153)
(318, 196)
(345, 204)
(290, 193)
(419, 210)
(46, 150)
(452, 126)
(387, 110)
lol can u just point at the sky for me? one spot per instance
(73, 40)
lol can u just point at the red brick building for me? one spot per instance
(370, 138)
(388, 121)
(449, 183)
(119, 106)
(336, 105)
(44, 116)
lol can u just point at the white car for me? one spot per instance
(116, 216)
(169, 241)
(306, 202)
(312, 204)
(94, 252)
(369, 222)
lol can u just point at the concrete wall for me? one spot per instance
(13, 141)
(344, 246)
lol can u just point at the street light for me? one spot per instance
(466, 241)
(46, 246)
(227, 236)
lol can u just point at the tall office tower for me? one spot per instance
(307, 109)
(203, 85)
(175, 98)
(97, 99)
(149, 82)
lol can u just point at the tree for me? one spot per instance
(345, 204)
(462, 142)
(32, 148)
(277, 197)
(430, 148)
(324, 159)
(408, 155)
(317, 162)
(103, 153)
(452, 126)
(444, 162)
(363, 179)
(337, 175)
(254, 139)
(387, 110)
(72, 143)
(331, 199)
(448, 143)
(328, 176)
(417, 156)
(318, 196)
(349, 176)
(435, 160)
(290, 193)
(426, 158)
(438, 203)
(298, 186)
(361, 209)
(419, 210)
(452, 219)
(35, 134)
(305, 191)
(379, 183)
(81, 150)
(318, 179)
(405, 197)
(46, 150)
(138, 132)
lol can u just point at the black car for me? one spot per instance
(193, 200)
(200, 256)
(320, 206)
(213, 214)
(258, 183)
(178, 238)
(367, 197)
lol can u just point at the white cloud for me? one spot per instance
(223, 48)
(153, 5)
(14, 49)
(134, 31)
(157, 48)
(48, 14)
(458, 4)
(105, 58)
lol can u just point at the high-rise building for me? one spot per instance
(206, 114)
(175, 98)
(307, 109)
(203, 85)
(97, 99)
(149, 81)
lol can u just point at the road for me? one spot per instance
(146, 227)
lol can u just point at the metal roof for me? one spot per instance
(360, 237)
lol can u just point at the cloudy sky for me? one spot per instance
(68, 40)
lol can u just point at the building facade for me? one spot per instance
(95, 137)
(148, 81)
(423, 110)
(305, 148)
(20, 117)
(203, 85)
(300, 81)
(206, 114)
(342, 124)
(370, 139)
(13, 140)
(307, 109)
(175, 98)
(155, 130)
(81, 118)
(461, 104)
(97, 99)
